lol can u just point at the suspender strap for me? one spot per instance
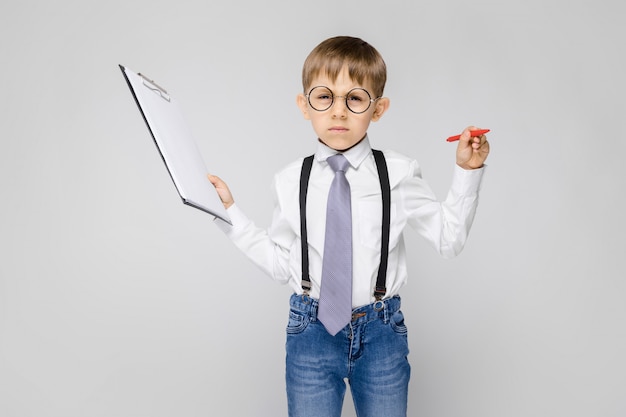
(304, 185)
(383, 177)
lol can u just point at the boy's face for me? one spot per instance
(338, 127)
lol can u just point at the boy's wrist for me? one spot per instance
(468, 167)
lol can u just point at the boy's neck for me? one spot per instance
(344, 150)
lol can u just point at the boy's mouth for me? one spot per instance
(338, 129)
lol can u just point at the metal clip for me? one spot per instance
(154, 87)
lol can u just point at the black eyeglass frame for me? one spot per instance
(333, 96)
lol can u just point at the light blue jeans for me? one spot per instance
(371, 353)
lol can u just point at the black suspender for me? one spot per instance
(304, 185)
(383, 176)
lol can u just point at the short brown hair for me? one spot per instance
(362, 59)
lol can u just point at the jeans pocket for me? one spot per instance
(397, 323)
(297, 322)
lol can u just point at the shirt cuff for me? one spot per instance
(238, 219)
(467, 181)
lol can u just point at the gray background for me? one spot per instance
(118, 300)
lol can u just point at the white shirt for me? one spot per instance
(277, 250)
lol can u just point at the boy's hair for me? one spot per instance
(362, 59)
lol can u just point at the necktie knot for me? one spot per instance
(338, 162)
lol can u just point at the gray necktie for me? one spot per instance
(335, 304)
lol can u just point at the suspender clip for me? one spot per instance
(306, 286)
(379, 293)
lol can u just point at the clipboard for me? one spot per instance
(175, 143)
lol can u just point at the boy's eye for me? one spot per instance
(355, 98)
(324, 97)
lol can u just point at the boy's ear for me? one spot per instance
(382, 104)
(301, 101)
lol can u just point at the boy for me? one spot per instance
(363, 339)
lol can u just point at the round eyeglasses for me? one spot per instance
(358, 100)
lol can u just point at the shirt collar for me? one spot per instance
(355, 155)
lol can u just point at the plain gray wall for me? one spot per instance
(118, 300)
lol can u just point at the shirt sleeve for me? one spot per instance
(268, 249)
(446, 224)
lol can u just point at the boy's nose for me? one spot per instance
(339, 108)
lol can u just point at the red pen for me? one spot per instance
(473, 133)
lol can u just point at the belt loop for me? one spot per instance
(386, 313)
(313, 312)
(311, 308)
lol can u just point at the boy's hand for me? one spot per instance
(471, 153)
(222, 190)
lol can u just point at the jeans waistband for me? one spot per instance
(378, 310)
